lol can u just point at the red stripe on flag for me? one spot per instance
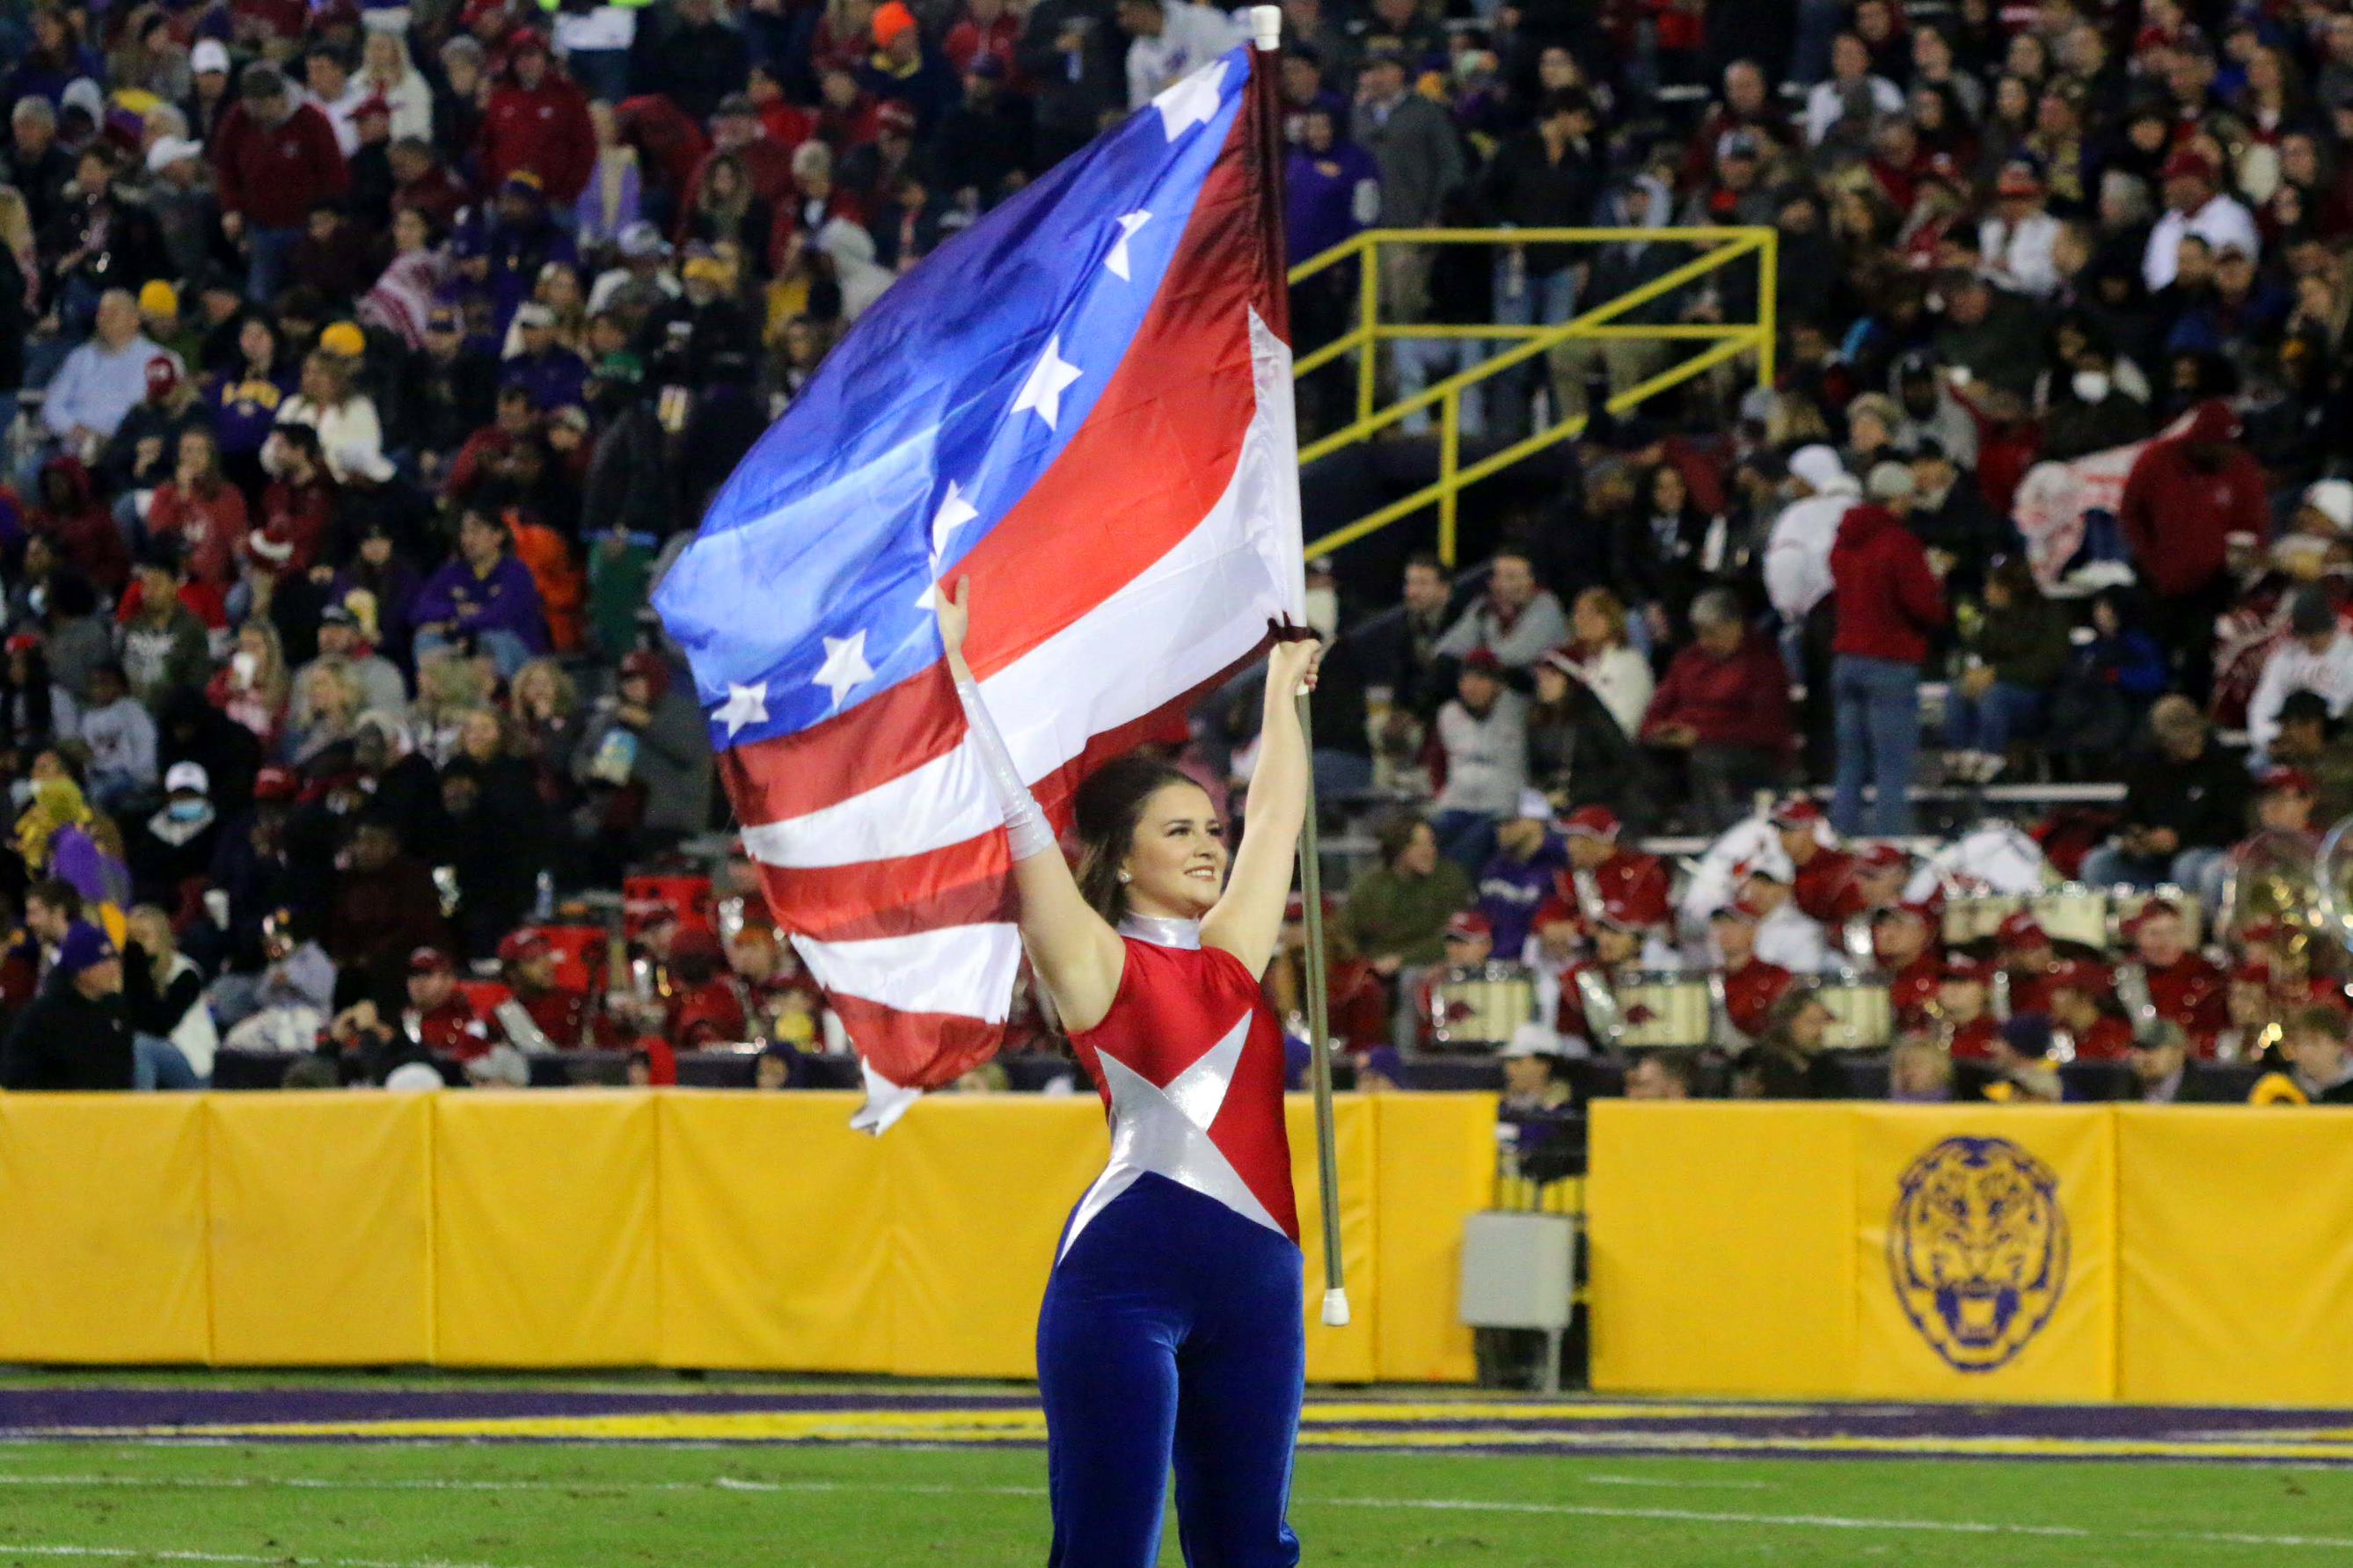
(1154, 455)
(963, 884)
(917, 1050)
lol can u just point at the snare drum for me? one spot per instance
(1862, 1016)
(2074, 912)
(1976, 917)
(1478, 1005)
(1661, 1008)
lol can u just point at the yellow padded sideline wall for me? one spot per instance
(102, 1205)
(597, 1227)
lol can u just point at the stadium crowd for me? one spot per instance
(369, 362)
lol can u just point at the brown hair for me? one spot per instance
(1106, 813)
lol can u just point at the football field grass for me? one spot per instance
(190, 1489)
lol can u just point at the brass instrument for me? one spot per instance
(2275, 876)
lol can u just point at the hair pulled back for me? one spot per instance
(1105, 814)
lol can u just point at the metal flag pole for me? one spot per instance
(1319, 1035)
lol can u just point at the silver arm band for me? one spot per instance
(1026, 828)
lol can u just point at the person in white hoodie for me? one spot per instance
(2316, 656)
(1797, 550)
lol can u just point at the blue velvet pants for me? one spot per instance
(1172, 1334)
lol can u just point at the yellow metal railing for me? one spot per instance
(1721, 247)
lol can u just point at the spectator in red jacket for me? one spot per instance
(275, 158)
(538, 122)
(2183, 500)
(1887, 598)
(203, 509)
(1724, 704)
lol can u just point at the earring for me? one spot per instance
(1125, 878)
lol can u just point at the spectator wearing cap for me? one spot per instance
(1603, 870)
(74, 1035)
(170, 849)
(1888, 600)
(537, 124)
(1521, 874)
(1751, 985)
(2316, 656)
(275, 158)
(436, 1016)
(2163, 1071)
(2184, 805)
(141, 454)
(1422, 166)
(1786, 934)
(1724, 708)
(1396, 913)
(1478, 759)
(1518, 620)
(983, 142)
(645, 756)
(1822, 875)
(447, 392)
(483, 593)
(2194, 207)
(540, 1013)
(554, 374)
(103, 380)
(2019, 236)
(1902, 947)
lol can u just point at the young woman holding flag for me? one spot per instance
(1172, 1330)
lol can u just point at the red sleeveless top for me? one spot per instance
(1189, 1063)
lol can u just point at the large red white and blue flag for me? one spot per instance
(1083, 402)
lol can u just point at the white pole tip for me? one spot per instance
(1336, 1309)
(1266, 25)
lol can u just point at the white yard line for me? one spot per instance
(1444, 1505)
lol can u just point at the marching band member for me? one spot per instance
(1820, 871)
(1746, 986)
(2252, 1019)
(2085, 1023)
(2164, 980)
(2286, 954)
(1965, 1023)
(1784, 935)
(2022, 981)
(1600, 872)
(1915, 972)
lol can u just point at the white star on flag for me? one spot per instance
(953, 513)
(744, 705)
(845, 664)
(1191, 101)
(1043, 391)
(1116, 262)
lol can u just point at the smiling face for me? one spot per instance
(1176, 864)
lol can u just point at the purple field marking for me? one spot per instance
(39, 1412)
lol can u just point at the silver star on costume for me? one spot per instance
(1166, 1131)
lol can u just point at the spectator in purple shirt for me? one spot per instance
(482, 592)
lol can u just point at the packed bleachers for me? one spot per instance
(364, 366)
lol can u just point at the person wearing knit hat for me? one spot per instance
(70, 1037)
(345, 339)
